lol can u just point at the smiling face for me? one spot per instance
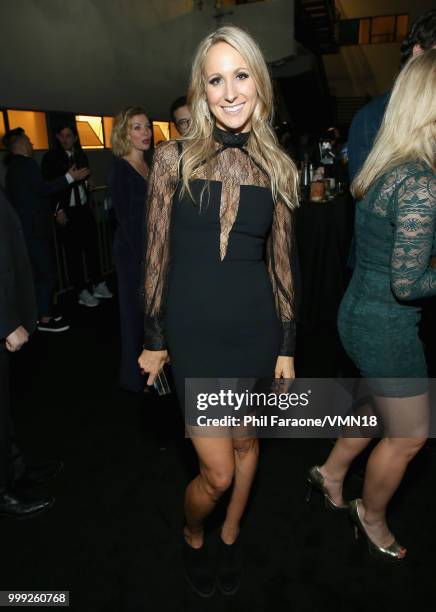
(230, 88)
(139, 132)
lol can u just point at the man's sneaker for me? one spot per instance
(86, 299)
(53, 325)
(101, 291)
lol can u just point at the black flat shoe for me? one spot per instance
(198, 572)
(13, 506)
(229, 559)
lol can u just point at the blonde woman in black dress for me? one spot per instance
(131, 139)
(219, 291)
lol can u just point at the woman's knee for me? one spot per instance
(218, 480)
(408, 447)
(242, 446)
(416, 444)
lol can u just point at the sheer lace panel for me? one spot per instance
(161, 187)
(382, 192)
(281, 264)
(380, 205)
(415, 224)
(233, 168)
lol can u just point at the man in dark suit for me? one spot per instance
(17, 322)
(366, 123)
(76, 225)
(28, 192)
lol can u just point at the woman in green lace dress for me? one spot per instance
(379, 315)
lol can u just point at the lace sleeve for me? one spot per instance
(161, 187)
(414, 222)
(281, 261)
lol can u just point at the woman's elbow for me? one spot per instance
(402, 290)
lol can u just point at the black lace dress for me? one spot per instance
(219, 290)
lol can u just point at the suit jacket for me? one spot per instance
(28, 192)
(364, 127)
(17, 294)
(56, 163)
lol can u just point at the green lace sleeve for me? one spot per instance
(414, 235)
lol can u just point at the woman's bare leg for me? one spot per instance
(390, 458)
(346, 449)
(338, 463)
(400, 416)
(246, 453)
(217, 465)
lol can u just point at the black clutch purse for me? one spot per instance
(161, 383)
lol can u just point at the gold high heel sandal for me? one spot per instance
(316, 480)
(393, 552)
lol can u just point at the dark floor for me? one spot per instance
(113, 538)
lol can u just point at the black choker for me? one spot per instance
(230, 140)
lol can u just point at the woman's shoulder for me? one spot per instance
(409, 170)
(165, 162)
(410, 180)
(167, 151)
(119, 164)
(404, 174)
(119, 168)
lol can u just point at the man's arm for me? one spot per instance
(46, 188)
(9, 318)
(42, 187)
(52, 166)
(358, 146)
(363, 131)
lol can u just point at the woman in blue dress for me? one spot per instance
(131, 138)
(379, 315)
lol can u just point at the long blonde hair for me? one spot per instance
(262, 144)
(408, 130)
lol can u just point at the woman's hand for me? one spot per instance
(152, 362)
(284, 367)
(61, 218)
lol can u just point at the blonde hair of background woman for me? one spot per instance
(408, 130)
(119, 137)
(262, 146)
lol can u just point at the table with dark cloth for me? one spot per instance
(324, 232)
